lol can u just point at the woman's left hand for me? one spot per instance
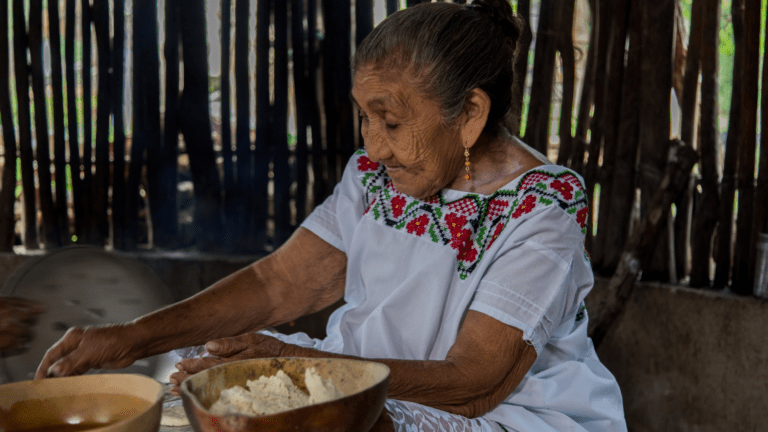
(225, 350)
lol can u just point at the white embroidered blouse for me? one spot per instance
(414, 268)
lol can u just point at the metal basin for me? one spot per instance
(98, 403)
(365, 385)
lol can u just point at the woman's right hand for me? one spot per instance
(82, 349)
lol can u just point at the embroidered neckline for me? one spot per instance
(470, 224)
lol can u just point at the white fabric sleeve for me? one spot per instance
(336, 218)
(537, 277)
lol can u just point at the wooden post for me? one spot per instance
(521, 65)
(623, 189)
(744, 251)
(587, 93)
(257, 192)
(119, 216)
(244, 178)
(100, 198)
(280, 154)
(59, 143)
(689, 105)
(657, 66)
(392, 6)
(611, 124)
(723, 260)
(48, 228)
(195, 124)
(565, 48)
(319, 157)
(21, 69)
(706, 213)
(760, 224)
(89, 227)
(8, 191)
(302, 96)
(539, 109)
(230, 211)
(363, 19)
(75, 167)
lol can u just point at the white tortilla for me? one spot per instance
(174, 416)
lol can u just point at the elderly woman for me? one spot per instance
(457, 248)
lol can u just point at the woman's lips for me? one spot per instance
(392, 169)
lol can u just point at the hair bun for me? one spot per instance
(501, 13)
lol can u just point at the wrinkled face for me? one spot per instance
(404, 131)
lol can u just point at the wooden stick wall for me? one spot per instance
(251, 186)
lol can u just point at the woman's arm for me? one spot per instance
(485, 364)
(305, 275)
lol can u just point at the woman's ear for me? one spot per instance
(475, 115)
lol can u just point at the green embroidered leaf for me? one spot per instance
(438, 213)
(360, 152)
(480, 234)
(571, 210)
(401, 224)
(367, 177)
(463, 276)
(432, 234)
(541, 186)
(545, 201)
(578, 194)
(376, 212)
(375, 189)
(411, 205)
(387, 194)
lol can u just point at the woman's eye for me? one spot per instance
(391, 126)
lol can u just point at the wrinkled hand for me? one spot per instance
(226, 350)
(82, 349)
(16, 318)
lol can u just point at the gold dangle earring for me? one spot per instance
(466, 162)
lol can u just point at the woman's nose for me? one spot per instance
(376, 147)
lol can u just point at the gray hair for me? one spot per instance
(454, 49)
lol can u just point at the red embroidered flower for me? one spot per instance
(496, 233)
(398, 205)
(364, 164)
(525, 207)
(455, 223)
(581, 216)
(418, 226)
(460, 237)
(565, 189)
(467, 252)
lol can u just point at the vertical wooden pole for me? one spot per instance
(8, 191)
(226, 129)
(59, 142)
(611, 123)
(303, 103)
(760, 224)
(744, 252)
(89, 223)
(706, 214)
(257, 188)
(723, 260)
(280, 154)
(688, 128)
(537, 127)
(392, 6)
(75, 167)
(623, 190)
(196, 126)
(100, 197)
(119, 215)
(521, 65)
(565, 48)
(244, 178)
(48, 227)
(319, 157)
(657, 66)
(587, 92)
(363, 19)
(21, 69)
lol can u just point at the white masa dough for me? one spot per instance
(174, 416)
(274, 394)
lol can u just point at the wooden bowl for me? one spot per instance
(103, 403)
(365, 385)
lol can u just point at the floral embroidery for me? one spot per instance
(565, 189)
(471, 224)
(365, 165)
(418, 226)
